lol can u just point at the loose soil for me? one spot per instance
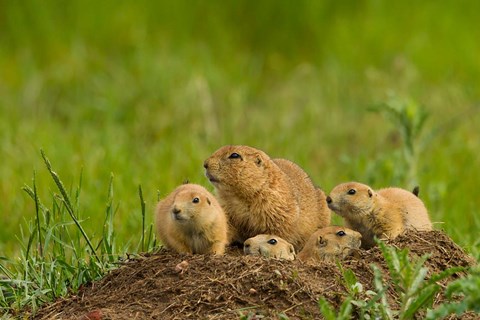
(167, 285)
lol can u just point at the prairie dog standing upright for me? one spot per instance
(266, 196)
(384, 213)
(190, 220)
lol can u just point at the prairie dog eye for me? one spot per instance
(352, 191)
(196, 200)
(341, 233)
(272, 241)
(234, 156)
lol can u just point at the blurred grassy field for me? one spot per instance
(146, 90)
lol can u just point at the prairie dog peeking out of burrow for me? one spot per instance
(269, 246)
(330, 243)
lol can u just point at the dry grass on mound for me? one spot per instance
(163, 286)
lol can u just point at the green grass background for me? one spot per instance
(147, 90)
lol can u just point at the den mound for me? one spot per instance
(167, 285)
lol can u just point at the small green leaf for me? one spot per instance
(423, 300)
(326, 309)
(345, 311)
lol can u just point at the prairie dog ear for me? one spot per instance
(322, 242)
(370, 192)
(291, 249)
(208, 201)
(258, 160)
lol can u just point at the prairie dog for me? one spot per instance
(266, 196)
(190, 220)
(330, 243)
(416, 191)
(384, 213)
(269, 246)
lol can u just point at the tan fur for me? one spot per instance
(385, 213)
(187, 226)
(330, 243)
(269, 246)
(266, 196)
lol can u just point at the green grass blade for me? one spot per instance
(68, 205)
(107, 241)
(150, 241)
(37, 216)
(142, 204)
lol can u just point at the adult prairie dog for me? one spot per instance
(266, 196)
(330, 243)
(190, 220)
(384, 213)
(269, 246)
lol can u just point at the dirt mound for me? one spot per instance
(166, 285)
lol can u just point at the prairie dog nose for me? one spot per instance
(176, 210)
(205, 164)
(329, 200)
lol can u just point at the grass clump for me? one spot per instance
(415, 293)
(59, 256)
(463, 295)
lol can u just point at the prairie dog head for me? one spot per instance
(269, 246)
(191, 202)
(330, 243)
(238, 168)
(351, 199)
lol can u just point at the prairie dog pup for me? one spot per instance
(385, 213)
(269, 246)
(266, 196)
(190, 220)
(330, 243)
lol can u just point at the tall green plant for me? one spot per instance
(462, 294)
(408, 117)
(406, 277)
